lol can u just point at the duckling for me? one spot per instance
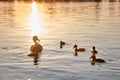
(78, 49)
(99, 60)
(62, 43)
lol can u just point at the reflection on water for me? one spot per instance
(36, 22)
(49, 19)
(8, 11)
(84, 23)
(51, 1)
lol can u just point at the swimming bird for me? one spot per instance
(99, 60)
(78, 49)
(35, 49)
(62, 43)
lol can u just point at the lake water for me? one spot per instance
(84, 23)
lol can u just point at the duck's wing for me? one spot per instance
(32, 48)
(39, 48)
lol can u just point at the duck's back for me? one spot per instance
(100, 60)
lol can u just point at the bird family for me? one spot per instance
(37, 48)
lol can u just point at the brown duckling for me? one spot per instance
(78, 49)
(99, 60)
(62, 43)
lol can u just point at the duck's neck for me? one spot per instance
(35, 41)
(94, 58)
(75, 49)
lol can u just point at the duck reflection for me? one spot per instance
(35, 49)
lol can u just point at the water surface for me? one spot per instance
(84, 23)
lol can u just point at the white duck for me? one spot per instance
(36, 48)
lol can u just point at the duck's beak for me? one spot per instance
(38, 40)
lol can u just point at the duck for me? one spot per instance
(62, 43)
(35, 49)
(99, 60)
(78, 49)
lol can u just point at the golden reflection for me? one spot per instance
(36, 22)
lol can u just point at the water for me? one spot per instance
(86, 24)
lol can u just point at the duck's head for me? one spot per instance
(35, 38)
(62, 43)
(75, 46)
(93, 47)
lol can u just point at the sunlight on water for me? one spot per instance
(35, 20)
(86, 24)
